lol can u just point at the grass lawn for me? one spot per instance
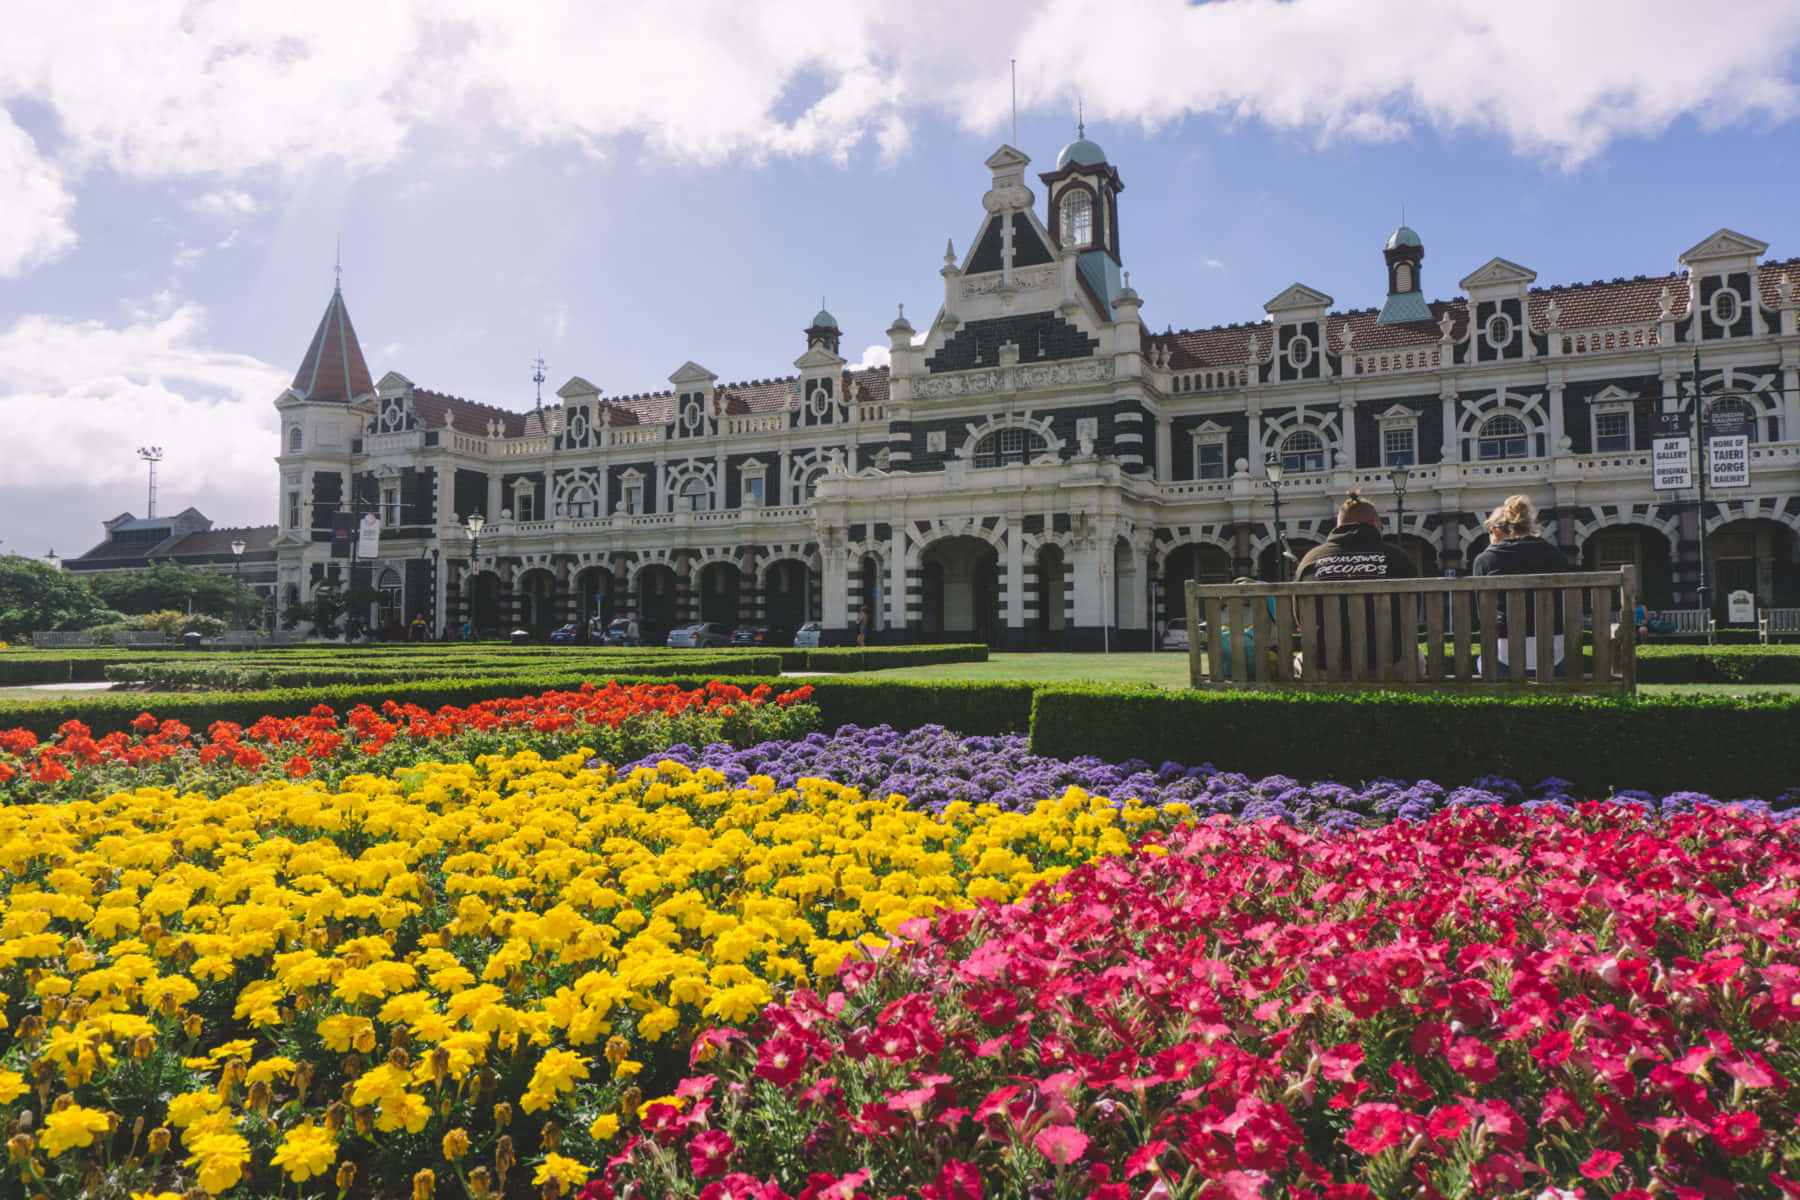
(1166, 669)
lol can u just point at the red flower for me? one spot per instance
(1738, 1133)
(780, 1060)
(738, 1186)
(1375, 1127)
(1601, 1163)
(299, 765)
(1061, 1144)
(709, 1151)
(957, 1181)
(1472, 1058)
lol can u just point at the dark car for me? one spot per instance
(566, 635)
(762, 635)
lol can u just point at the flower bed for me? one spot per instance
(465, 972)
(616, 722)
(934, 767)
(1491, 1002)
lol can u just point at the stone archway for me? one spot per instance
(1756, 556)
(719, 584)
(1613, 546)
(594, 595)
(1201, 562)
(657, 594)
(787, 590)
(961, 600)
(535, 591)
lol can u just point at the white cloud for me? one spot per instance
(230, 204)
(113, 389)
(34, 204)
(872, 356)
(231, 92)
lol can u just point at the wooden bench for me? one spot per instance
(1450, 615)
(51, 639)
(1683, 622)
(237, 639)
(1778, 622)
(140, 639)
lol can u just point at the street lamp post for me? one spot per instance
(53, 559)
(1398, 473)
(237, 584)
(473, 527)
(1273, 469)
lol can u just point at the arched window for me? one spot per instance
(696, 496)
(1009, 447)
(294, 440)
(809, 487)
(1077, 219)
(1403, 277)
(580, 504)
(1503, 436)
(1302, 451)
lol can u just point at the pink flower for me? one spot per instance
(957, 1181)
(1601, 1163)
(780, 1060)
(1061, 1144)
(709, 1151)
(1738, 1133)
(1375, 1127)
(1471, 1057)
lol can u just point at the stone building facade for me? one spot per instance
(1036, 468)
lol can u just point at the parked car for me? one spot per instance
(1175, 637)
(701, 635)
(629, 631)
(566, 635)
(762, 635)
(808, 635)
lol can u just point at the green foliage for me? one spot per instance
(163, 586)
(977, 708)
(34, 595)
(1719, 664)
(1720, 745)
(876, 658)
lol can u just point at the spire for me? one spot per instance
(334, 369)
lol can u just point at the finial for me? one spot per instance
(949, 251)
(1080, 118)
(537, 377)
(903, 312)
(337, 266)
(1128, 279)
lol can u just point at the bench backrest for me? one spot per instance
(53, 639)
(1343, 643)
(140, 637)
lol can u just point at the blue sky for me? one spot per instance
(627, 189)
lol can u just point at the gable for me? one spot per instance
(1298, 297)
(1497, 271)
(1725, 243)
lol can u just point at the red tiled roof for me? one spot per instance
(333, 368)
(218, 541)
(1578, 305)
(438, 410)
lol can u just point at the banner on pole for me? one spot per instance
(1729, 465)
(368, 537)
(1672, 463)
(343, 530)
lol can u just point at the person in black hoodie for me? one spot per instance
(1354, 550)
(1516, 548)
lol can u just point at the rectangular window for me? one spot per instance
(634, 499)
(753, 492)
(293, 510)
(1612, 432)
(1209, 460)
(390, 506)
(525, 507)
(1398, 448)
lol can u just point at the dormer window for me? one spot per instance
(1077, 219)
(295, 441)
(1403, 277)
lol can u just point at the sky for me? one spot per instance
(624, 188)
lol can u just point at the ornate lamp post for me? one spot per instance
(53, 559)
(1274, 470)
(237, 584)
(473, 527)
(1397, 474)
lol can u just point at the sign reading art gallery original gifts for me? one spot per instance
(368, 537)
(1728, 460)
(1672, 463)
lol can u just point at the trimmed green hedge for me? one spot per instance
(974, 707)
(1719, 664)
(234, 677)
(875, 658)
(106, 712)
(1719, 745)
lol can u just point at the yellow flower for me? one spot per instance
(12, 1086)
(219, 1158)
(604, 1128)
(306, 1151)
(561, 1171)
(557, 1072)
(72, 1127)
(190, 1107)
(456, 1145)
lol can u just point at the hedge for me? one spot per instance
(1724, 746)
(106, 712)
(875, 658)
(233, 677)
(1719, 664)
(973, 707)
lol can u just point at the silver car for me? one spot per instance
(808, 635)
(701, 635)
(1175, 637)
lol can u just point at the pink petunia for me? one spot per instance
(1061, 1144)
(709, 1151)
(1374, 1127)
(1738, 1133)
(1601, 1163)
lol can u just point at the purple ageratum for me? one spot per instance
(933, 768)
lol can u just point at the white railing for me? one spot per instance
(521, 447)
(1610, 339)
(1187, 488)
(1613, 464)
(1312, 481)
(465, 443)
(773, 422)
(1416, 477)
(1774, 453)
(529, 528)
(871, 412)
(1514, 468)
(714, 518)
(1386, 362)
(650, 519)
(635, 435)
(1212, 379)
(790, 512)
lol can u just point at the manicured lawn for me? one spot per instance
(1165, 669)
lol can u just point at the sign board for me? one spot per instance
(343, 528)
(1673, 424)
(1723, 422)
(1740, 608)
(1672, 463)
(1729, 460)
(368, 537)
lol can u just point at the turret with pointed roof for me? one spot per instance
(333, 369)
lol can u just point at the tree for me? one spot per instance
(35, 595)
(167, 585)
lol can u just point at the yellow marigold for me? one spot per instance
(557, 1072)
(562, 1171)
(341, 1030)
(72, 1127)
(306, 1151)
(604, 1128)
(219, 1158)
(190, 1107)
(12, 1086)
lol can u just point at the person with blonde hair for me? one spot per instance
(1517, 548)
